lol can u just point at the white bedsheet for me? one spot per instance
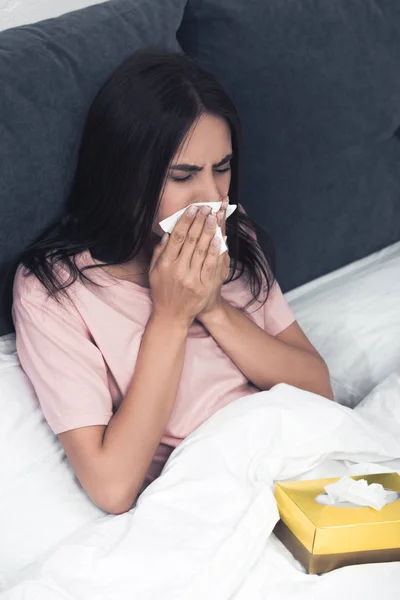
(203, 530)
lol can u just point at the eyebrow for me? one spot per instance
(193, 168)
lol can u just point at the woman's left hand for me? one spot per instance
(221, 272)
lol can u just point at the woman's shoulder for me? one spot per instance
(33, 302)
(28, 286)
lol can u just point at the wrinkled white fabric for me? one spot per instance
(203, 530)
(352, 318)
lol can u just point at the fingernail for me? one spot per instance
(216, 241)
(164, 238)
(211, 220)
(191, 211)
(205, 210)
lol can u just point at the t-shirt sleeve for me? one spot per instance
(277, 313)
(65, 367)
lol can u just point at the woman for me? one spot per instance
(131, 342)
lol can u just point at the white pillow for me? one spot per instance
(40, 500)
(352, 316)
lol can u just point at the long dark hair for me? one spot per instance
(134, 127)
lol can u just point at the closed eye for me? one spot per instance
(191, 175)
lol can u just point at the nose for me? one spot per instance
(208, 189)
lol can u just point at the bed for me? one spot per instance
(318, 91)
(56, 544)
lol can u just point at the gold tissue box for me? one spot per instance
(325, 537)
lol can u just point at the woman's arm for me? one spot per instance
(111, 462)
(264, 359)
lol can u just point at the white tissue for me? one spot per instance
(169, 223)
(359, 492)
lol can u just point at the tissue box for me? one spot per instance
(324, 537)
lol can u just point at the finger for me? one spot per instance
(223, 258)
(179, 233)
(199, 236)
(223, 265)
(222, 215)
(226, 263)
(210, 262)
(203, 244)
(158, 250)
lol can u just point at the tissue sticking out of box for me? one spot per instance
(358, 493)
(169, 223)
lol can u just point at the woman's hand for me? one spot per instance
(183, 267)
(221, 272)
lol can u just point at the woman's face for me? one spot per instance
(200, 171)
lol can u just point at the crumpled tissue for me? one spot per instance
(169, 223)
(359, 492)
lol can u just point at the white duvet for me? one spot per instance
(203, 530)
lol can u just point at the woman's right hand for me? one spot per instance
(183, 267)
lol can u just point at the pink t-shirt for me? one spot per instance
(80, 357)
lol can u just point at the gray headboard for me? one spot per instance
(317, 86)
(50, 73)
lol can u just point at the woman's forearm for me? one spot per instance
(134, 433)
(262, 358)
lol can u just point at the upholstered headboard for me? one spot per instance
(49, 74)
(317, 85)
